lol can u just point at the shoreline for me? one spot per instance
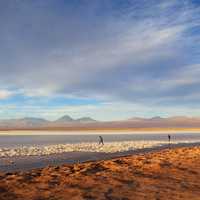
(15, 132)
(26, 163)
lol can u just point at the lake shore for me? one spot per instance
(102, 131)
(24, 163)
(158, 174)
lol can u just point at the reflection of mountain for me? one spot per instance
(89, 123)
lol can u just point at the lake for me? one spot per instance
(44, 144)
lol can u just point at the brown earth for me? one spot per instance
(167, 174)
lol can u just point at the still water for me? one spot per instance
(14, 141)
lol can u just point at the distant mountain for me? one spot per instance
(67, 122)
(67, 119)
(136, 119)
(156, 118)
(85, 120)
(64, 119)
(168, 122)
(33, 121)
(146, 119)
(29, 122)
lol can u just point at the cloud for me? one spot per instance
(4, 94)
(142, 52)
(103, 111)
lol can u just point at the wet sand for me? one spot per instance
(160, 174)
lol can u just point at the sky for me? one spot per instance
(106, 59)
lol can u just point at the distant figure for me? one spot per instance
(169, 139)
(101, 140)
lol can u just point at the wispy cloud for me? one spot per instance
(142, 52)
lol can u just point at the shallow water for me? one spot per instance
(14, 141)
(27, 145)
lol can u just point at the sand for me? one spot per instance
(97, 131)
(165, 174)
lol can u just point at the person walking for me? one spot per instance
(101, 140)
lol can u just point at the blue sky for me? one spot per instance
(107, 59)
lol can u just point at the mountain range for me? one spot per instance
(32, 122)
(67, 122)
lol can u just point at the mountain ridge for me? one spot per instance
(67, 121)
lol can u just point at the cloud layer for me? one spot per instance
(120, 52)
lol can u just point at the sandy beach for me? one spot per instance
(162, 174)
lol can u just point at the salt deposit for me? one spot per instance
(109, 147)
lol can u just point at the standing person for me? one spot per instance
(169, 139)
(101, 140)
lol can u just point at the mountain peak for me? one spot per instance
(85, 119)
(156, 118)
(65, 118)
